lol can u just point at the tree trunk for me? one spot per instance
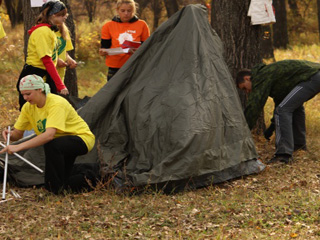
(266, 43)
(318, 6)
(294, 8)
(142, 4)
(241, 40)
(280, 30)
(14, 10)
(71, 79)
(29, 17)
(90, 6)
(172, 7)
(295, 14)
(157, 8)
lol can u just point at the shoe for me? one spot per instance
(281, 158)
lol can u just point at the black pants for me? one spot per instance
(112, 72)
(60, 155)
(29, 70)
(84, 177)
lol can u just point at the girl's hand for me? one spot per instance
(72, 63)
(64, 91)
(11, 149)
(5, 133)
(15, 134)
(102, 52)
(61, 63)
(132, 50)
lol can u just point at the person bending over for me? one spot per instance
(290, 83)
(59, 128)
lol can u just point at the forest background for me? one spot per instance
(280, 203)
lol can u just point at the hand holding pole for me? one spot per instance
(23, 159)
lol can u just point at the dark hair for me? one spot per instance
(241, 74)
(48, 9)
(44, 17)
(54, 7)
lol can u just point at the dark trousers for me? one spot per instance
(290, 116)
(60, 155)
(29, 70)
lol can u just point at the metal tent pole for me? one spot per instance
(6, 168)
(23, 159)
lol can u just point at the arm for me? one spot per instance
(69, 62)
(39, 140)
(47, 61)
(256, 101)
(133, 50)
(269, 131)
(105, 43)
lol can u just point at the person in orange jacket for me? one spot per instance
(125, 26)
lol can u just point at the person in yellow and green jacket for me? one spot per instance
(42, 51)
(64, 45)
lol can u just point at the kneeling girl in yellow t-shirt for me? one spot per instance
(64, 134)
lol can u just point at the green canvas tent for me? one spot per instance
(171, 116)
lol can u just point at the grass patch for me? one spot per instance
(92, 76)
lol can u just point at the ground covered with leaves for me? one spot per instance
(283, 202)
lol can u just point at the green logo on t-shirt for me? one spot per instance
(41, 125)
(61, 45)
(54, 54)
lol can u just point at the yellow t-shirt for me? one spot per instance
(2, 32)
(63, 47)
(56, 113)
(42, 42)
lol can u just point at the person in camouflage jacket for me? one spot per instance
(290, 83)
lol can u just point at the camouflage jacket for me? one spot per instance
(275, 80)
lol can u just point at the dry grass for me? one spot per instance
(280, 203)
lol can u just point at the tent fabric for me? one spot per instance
(171, 116)
(172, 111)
(21, 173)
